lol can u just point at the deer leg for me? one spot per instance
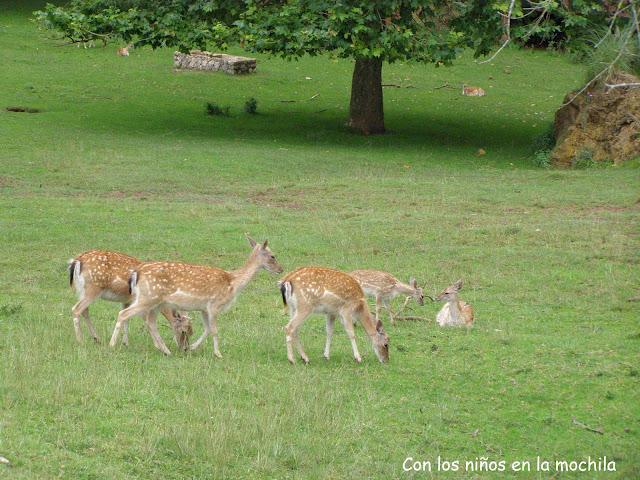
(378, 306)
(388, 309)
(205, 333)
(124, 316)
(152, 325)
(327, 346)
(291, 331)
(213, 328)
(125, 328)
(348, 326)
(89, 296)
(92, 329)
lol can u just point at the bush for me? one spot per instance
(544, 141)
(583, 159)
(251, 106)
(217, 110)
(542, 158)
(541, 146)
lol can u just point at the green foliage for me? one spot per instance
(427, 31)
(251, 106)
(544, 141)
(541, 146)
(214, 109)
(583, 159)
(617, 51)
(556, 24)
(542, 158)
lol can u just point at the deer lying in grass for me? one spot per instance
(310, 290)
(455, 311)
(104, 274)
(124, 51)
(384, 287)
(191, 287)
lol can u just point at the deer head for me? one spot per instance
(381, 343)
(264, 256)
(451, 292)
(418, 294)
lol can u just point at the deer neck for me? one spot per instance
(243, 275)
(404, 289)
(367, 324)
(454, 309)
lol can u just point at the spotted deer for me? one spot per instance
(334, 293)
(455, 311)
(104, 274)
(383, 287)
(473, 91)
(124, 51)
(188, 287)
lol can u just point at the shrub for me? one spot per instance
(544, 141)
(251, 106)
(217, 110)
(583, 159)
(542, 158)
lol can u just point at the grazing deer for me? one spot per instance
(384, 287)
(310, 290)
(191, 287)
(104, 274)
(473, 91)
(124, 51)
(455, 311)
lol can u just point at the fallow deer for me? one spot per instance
(383, 287)
(190, 287)
(473, 91)
(334, 293)
(104, 274)
(455, 311)
(124, 51)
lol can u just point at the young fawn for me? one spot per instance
(455, 311)
(191, 287)
(310, 290)
(384, 287)
(473, 91)
(104, 274)
(124, 51)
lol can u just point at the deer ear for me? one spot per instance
(379, 326)
(264, 245)
(458, 285)
(252, 242)
(413, 282)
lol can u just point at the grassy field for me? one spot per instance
(123, 157)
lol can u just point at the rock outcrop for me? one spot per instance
(602, 121)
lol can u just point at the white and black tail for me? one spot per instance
(74, 268)
(133, 281)
(286, 289)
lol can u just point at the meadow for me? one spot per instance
(122, 156)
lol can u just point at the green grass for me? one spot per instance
(124, 157)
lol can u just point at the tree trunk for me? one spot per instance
(365, 111)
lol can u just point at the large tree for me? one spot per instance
(369, 32)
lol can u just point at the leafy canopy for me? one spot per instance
(392, 30)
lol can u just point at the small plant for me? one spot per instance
(217, 110)
(251, 106)
(583, 159)
(542, 158)
(544, 141)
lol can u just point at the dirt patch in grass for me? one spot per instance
(121, 194)
(7, 181)
(22, 110)
(273, 197)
